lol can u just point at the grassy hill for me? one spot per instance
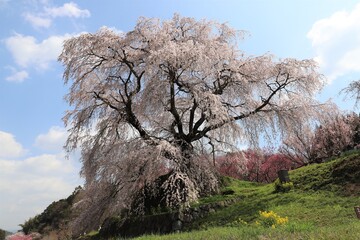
(321, 206)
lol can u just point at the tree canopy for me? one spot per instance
(157, 99)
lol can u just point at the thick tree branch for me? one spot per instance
(134, 121)
(173, 109)
(192, 116)
(260, 108)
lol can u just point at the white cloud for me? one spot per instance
(38, 21)
(44, 18)
(29, 184)
(53, 140)
(48, 163)
(27, 51)
(18, 76)
(336, 40)
(67, 10)
(10, 148)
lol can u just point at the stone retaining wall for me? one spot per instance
(161, 223)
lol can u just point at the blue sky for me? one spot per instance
(33, 168)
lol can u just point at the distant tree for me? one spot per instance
(353, 90)
(353, 120)
(233, 165)
(255, 159)
(55, 217)
(263, 164)
(273, 164)
(164, 94)
(299, 146)
(335, 136)
(2, 234)
(259, 165)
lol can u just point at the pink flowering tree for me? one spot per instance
(233, 165)
(335, 136)
(165, 93)
(255, 159)
(19, 236)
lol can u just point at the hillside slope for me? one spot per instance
(341, 175)
(321, 206)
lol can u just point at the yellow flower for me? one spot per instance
(271, 219)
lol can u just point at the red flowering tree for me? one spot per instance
(274, 163)
(254, 165)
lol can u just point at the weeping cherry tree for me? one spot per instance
(162, 99)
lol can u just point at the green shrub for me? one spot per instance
(2, 234)
(283, 187)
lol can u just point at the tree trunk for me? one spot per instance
(191, 178)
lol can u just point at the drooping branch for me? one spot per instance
(353, 90)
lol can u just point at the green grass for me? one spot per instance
(319, 207)
(291, 232)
